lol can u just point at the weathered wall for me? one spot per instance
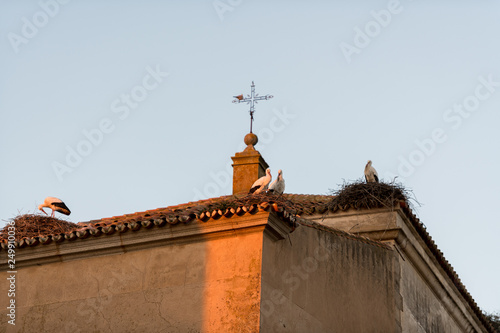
(209, 286)
(322, 282)
(422, 310)
(430, 301)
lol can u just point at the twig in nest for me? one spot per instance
(33, 225)
(369, 195)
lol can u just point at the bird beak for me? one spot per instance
(43, 211)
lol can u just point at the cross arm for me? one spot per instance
(260, 98)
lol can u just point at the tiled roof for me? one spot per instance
(289, 207)
(203, 210)
(302, 204)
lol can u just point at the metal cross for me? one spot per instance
(252, 100)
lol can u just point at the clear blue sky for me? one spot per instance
(412, 85)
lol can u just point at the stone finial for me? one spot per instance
(251, 139)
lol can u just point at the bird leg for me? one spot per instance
(53, 212)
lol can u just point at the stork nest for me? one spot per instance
(33, 225)
(361, 195)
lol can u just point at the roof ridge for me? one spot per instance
(302, 198)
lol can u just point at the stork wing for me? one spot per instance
(61, 208)
(254, 188)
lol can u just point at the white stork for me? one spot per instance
(262, 183)
(278, 186)
(371, 174)
(56, 205)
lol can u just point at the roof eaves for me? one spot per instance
(137, 221)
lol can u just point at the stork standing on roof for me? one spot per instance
(278, 186)
(371, 174)
(56, 205)
(262, 183)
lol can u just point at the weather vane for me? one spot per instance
(252, 100)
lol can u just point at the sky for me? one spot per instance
(122, 106)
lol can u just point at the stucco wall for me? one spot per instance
(422, 310)
(321, 282)
(430, 301)
(209, 286)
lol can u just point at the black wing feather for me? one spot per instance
(61, 208)
(255, 188)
